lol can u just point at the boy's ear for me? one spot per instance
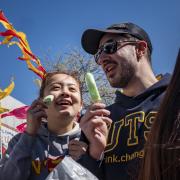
(82, 104)
(79, 114)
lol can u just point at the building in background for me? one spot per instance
(8, 124)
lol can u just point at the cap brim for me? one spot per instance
(91, 38)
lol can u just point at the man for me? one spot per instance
(124, 53)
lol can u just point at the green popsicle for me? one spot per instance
(48, 99)
(92, 88)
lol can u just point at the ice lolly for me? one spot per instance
(48, 99)
(92, 88)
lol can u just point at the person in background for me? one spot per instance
(32, 155)
(162, 150)
(124, 52)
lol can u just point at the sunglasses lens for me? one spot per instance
(110, 47)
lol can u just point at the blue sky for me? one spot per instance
(57, 25)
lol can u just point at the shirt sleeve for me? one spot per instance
(16, 162)
(93, 165)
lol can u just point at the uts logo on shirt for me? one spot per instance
(131, 123)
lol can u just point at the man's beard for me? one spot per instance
(126, 73)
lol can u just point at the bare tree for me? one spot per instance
(78, 61)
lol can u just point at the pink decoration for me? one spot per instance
(19, 113)
(22, 127)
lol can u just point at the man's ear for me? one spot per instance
(141, 48)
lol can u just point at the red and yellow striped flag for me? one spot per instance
(23, 44)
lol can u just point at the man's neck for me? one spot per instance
(138, 85)
(143, 79)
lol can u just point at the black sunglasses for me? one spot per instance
(110, 47)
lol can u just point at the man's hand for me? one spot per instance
(94, 125)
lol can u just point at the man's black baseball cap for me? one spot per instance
(91, 37)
